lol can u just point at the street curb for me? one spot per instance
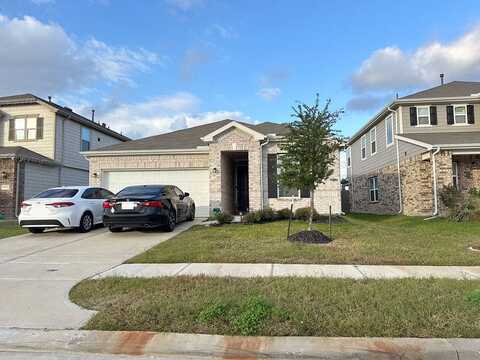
(236, 347)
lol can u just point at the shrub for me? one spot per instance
(304, 214)
(284, 214)
(267, 214)
(461, 206)
(252, 217)
(223, 218)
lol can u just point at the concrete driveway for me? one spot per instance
(38, 271)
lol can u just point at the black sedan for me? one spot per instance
(147, 206)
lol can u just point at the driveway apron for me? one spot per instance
(38, 271)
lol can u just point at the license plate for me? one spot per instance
(128, 205)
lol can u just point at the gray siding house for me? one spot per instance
(40, 145)
(402, 158)
(227, 165)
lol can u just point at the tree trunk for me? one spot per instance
(311, 211)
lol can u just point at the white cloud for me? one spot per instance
(269, 93)
(184, 5)
(154, 116)
(392, 68)
(42, 58)
(225, 32)
(366, 102)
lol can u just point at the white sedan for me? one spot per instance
(79, 207)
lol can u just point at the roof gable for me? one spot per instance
(233, 124)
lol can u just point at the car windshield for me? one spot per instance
(141, 191)
(57, 193)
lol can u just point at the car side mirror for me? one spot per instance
(186, 194)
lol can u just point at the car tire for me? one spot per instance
(171, 222)
(86, 223)
(36, 230)
(115, 229)
(191, 215)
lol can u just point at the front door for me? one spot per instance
(241, 187)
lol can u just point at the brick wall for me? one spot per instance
(468, 171)
(235, 140)
(8, 187)
(416, 186)
(105, 163)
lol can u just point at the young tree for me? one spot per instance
(309, 149)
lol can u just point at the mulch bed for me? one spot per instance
(310, 237)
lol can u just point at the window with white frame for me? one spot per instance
(460, 114)
(364, 147)
(25, 128)
(455, 175)
(85, 140)
(423, 115)
(373, 182)
(373, 141)
(389, 130)
(349, 157)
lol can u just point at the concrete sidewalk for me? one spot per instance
(189, 346)
(282, 270)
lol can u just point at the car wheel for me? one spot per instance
(36, 230)
(191, 216)
(115, 228)
(86, 223)
(172, 221)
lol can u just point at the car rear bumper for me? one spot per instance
(45, 221)
(136, 220)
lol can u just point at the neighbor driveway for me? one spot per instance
(38, 271)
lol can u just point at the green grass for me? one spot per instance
(284, 306)
(10, 228)
(361, 239)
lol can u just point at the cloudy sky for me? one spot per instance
(153, 66)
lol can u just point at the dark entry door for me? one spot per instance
(241, 193)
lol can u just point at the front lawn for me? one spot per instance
(10, 228)
(360, 239)
(284, 306)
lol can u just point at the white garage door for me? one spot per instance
(195, 182)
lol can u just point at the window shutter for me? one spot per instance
(305, 193)
(433, 115)
(39, 128)
(413, 116)
(11, 130)
(272, 175)
(450, 117)
(471, 114)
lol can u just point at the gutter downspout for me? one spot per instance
(261, 172)
(17, 191)
(434, 174)
(400, 197)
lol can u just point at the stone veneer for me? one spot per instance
(234, 140)
(8, 186)
(416, 182)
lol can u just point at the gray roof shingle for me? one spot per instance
(451, 89)
(189, 138)
(450, 138)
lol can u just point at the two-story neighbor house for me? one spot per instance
(403, 157)
(40, 144)
(227, 165)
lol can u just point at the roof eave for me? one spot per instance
(88, 154)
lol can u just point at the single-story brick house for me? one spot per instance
(227, 165)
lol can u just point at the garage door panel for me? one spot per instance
(195, 182)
